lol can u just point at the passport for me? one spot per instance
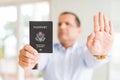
(41, 36)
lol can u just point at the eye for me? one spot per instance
(67, 23)
(59, 24)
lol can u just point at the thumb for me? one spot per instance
(90, 39)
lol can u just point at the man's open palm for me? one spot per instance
(100, 41)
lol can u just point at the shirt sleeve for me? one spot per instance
(42, 63)
(92, 61)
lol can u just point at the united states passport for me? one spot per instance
(41, 36)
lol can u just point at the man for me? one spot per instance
(70, 61)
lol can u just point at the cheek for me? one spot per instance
(74, 33)
(62, 34)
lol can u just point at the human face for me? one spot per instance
(68, 30)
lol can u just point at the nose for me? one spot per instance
(62, 26)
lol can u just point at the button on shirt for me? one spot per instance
(74, 63)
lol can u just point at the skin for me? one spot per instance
(99, 42)
(68, 30)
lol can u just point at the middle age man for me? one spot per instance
(69, 60)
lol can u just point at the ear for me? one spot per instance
(79, 30)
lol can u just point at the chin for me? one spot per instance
(63, 40)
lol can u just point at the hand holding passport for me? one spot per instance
(41, 37)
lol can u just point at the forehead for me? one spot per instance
(67, 17)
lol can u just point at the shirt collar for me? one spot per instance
(72, 48)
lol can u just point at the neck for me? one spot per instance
(67, 44)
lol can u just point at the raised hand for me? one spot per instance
(100, 41)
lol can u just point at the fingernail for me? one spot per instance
(35, 52)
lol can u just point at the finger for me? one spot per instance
(111, 28)
(27, 54)
(96, 26)
(101, 21)
(90, 39)
(27, 60)
(30, 49)
(106, 24)
(23, 64)
(26, 65)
